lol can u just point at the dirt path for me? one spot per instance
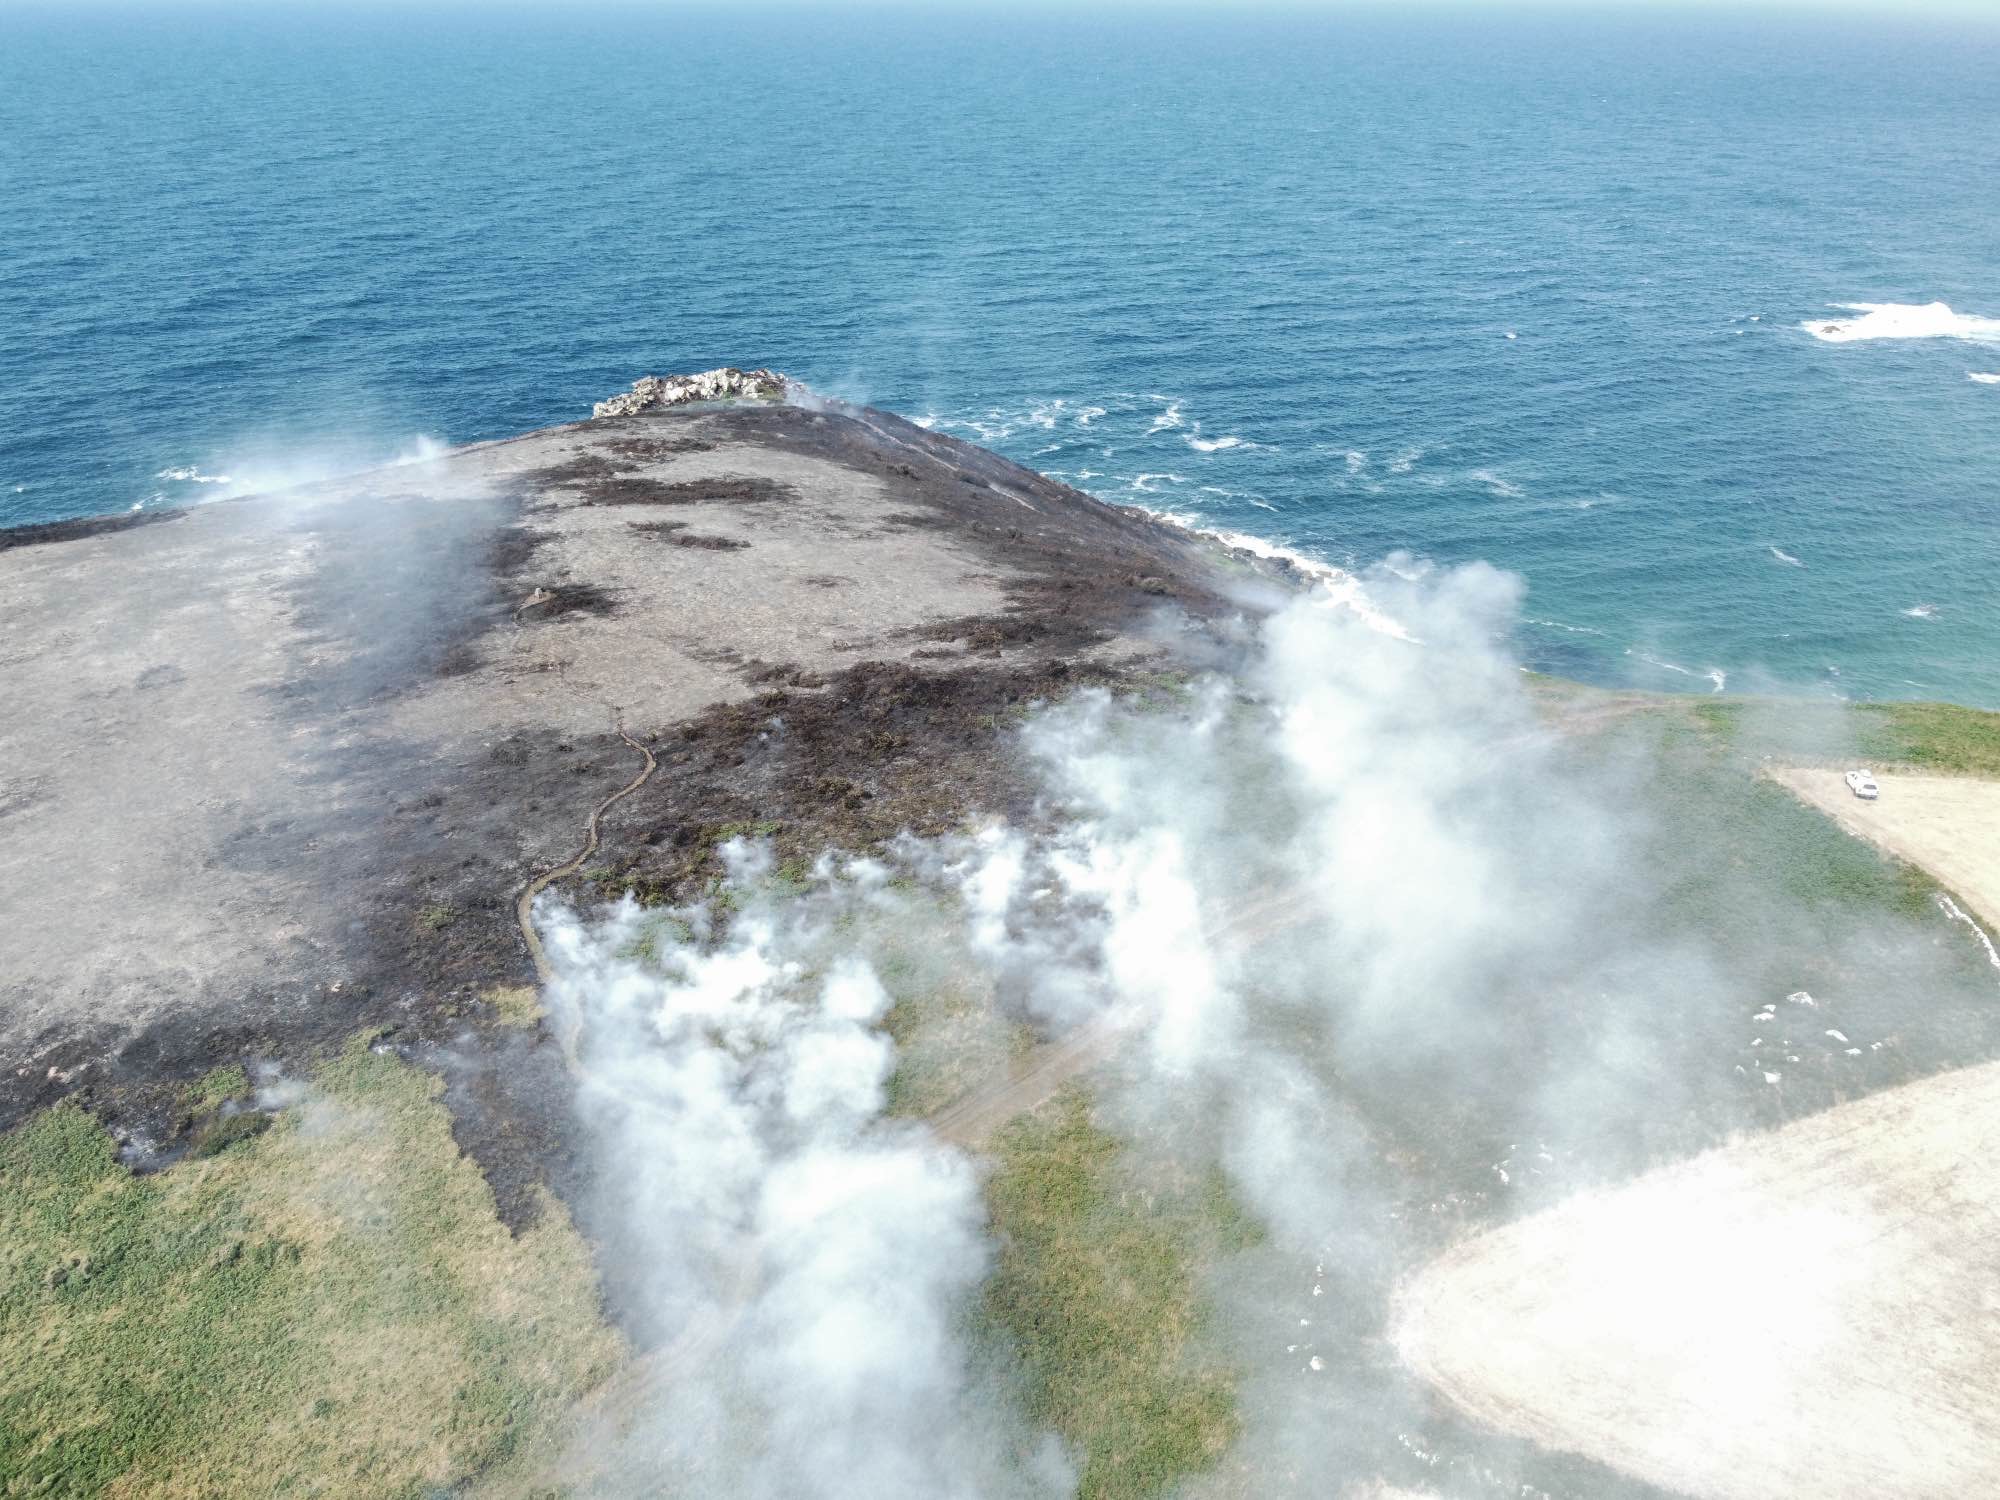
(524, 904)
(1947, 826)
(971, 1120)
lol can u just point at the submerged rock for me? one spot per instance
(658, 392)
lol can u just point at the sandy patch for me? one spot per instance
(1947, 826)
(1809, 1312)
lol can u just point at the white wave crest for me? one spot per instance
(1717, 678)
(1506, 489)
(1341, 587)
(1786, 558)
(189, 474)
(1982, 378)
(1902, 320)
(1167, 419)
(1921, 611)
(1215, 445)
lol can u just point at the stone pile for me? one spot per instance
(657, 392)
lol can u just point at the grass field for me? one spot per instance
(326, 1306)
(1941, 739)
(1098, 1289)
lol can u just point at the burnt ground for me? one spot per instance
(377, 709)
(43, 533)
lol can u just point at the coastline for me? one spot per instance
(711, 647)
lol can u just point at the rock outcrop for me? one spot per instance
(659, 392)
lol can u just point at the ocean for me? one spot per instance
(1546, 289)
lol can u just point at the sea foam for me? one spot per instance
(1982, 378)
(1902, 320)
(1341, 587)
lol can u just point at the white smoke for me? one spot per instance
(810, 1263)
(1354, 902)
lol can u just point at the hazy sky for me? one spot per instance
(1968, 9)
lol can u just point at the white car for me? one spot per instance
(1862, 784)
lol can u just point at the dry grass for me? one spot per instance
(517, 1005)
(328, 1307)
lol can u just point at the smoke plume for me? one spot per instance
(1393, 952)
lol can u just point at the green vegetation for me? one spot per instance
(1942, 739)
(655, 929)
(327, 1307)
(948, 1042)
(436, 917)
(721, 833)
(1937, 737)
(225, 1130)
(949, 1033)
(214, 1089)
(1097, 1288)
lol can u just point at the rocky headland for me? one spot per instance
(295, 756)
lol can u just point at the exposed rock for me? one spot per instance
(658, 392)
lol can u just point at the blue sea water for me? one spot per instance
(1509, 285)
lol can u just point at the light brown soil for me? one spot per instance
(1809, 1312)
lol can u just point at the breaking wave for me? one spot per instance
(1982, 378)
(1340, 586)
(1902, 320)
(1786, 558)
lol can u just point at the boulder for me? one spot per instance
(659, 392)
